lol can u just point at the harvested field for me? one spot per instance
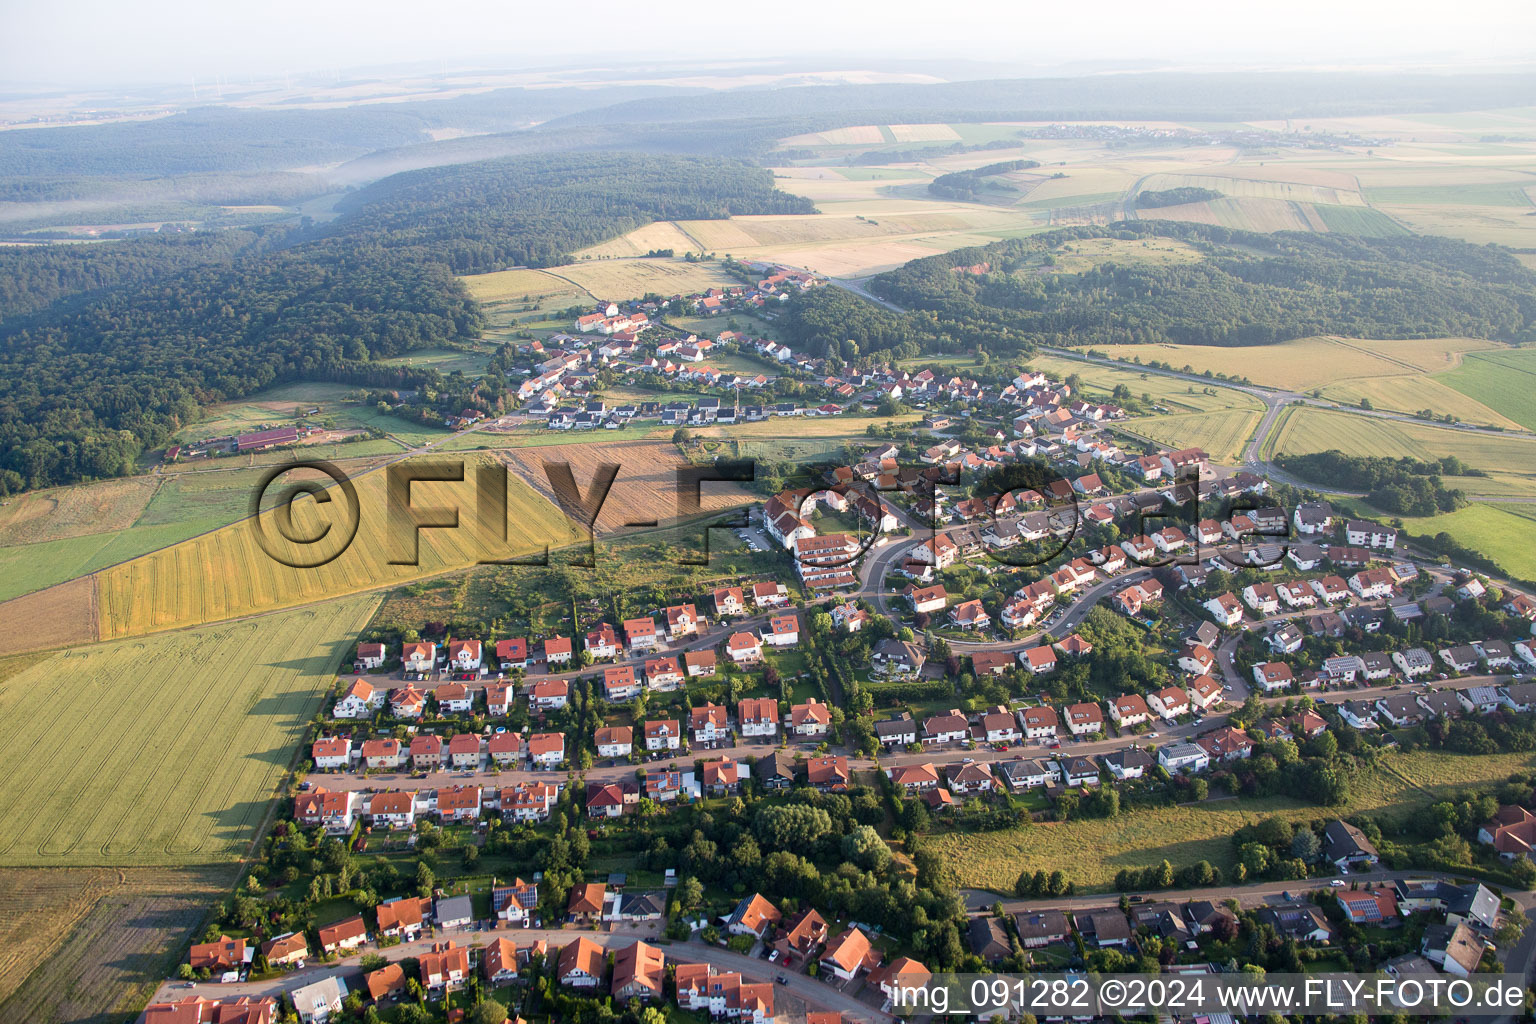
(63, 512)
(59, 616)
(1244, 214)
(87, 946)
(662, 234)
(858, 135)
(645, 488)
(924, 133)
(226, 574)
(1249, 186)
(202, 725)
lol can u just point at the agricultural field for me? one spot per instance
(621, 279)
(187, 763)
(1503, 379)
(1405, 376)
(1507, 459)
(88, 944)
(56, 616)
(1091, 851)
(645, 488)
(1222, 434)
(193, 499)
(226, 573)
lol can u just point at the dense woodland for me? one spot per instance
(111, 348)
(1405, 486)
(535, 211)
(1153, 199)
(1249, 289)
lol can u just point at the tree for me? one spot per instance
(864, 847)
(1305, 845)
(487, 1011)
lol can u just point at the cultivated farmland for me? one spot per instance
(645, 488)
(1222, 434)
(54, 617)
(165, 751)
(83, 943)
(633, 278)
(1310, 429)
(226, 574)
(1503, 379)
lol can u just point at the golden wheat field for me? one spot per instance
(227, 573)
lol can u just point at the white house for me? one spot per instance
(361, 700)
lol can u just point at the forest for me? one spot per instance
(534, 211)
(109, 349)
(1247, 289)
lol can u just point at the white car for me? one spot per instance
(1337, 883)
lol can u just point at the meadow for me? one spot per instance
(226, 573)
(1178, 396)
(1306, 363)
(1090, 851)
(1501, 533)
(1455, 376)
(165, 751)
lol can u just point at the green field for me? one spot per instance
(1503, 533)
(1359, 220)
(1091, 851)
(164, 751)
(1491, 194)
(1504, 380)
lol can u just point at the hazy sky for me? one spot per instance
(92, 42)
